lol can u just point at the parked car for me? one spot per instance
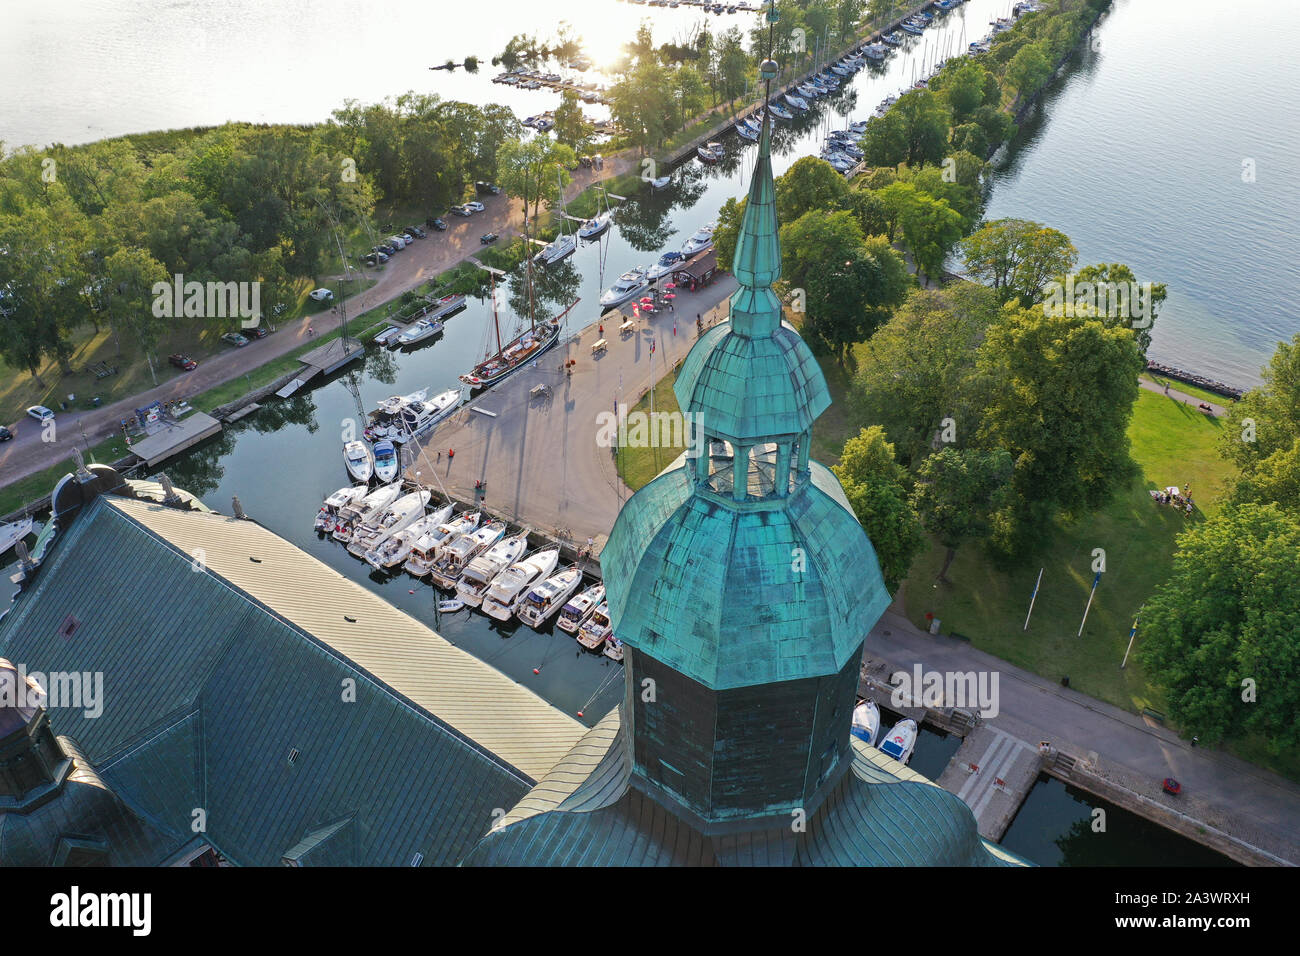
(384, 250)
(474, 206)
(397, 242)
(416, 231)
(436, 222)
(371, 258)
(256, 332)
(483, 187)
(488, 238)
(459, 211)
(321, 295)
(407, 237)
(40, 413)
(5, 434)
(235, 339)
(183, 362)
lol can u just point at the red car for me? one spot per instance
(183, 362)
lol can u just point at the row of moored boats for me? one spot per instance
(898, 743)
(470, 555)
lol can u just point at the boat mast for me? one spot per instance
(495, 321)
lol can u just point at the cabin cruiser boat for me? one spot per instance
(387, 461)
(12, 533)
(397, 548)
(703, 239)
(629, 284)
(478, 574)
(866, 722)
(352, 516)
(402, 417)
(576, 612)
(447, 569)
(426, 548)
(419, 330)
(710, 152)
(596, 629)
(900, 741)
(402, 513)
(668, 263)
(509, 587)
(360, 461)
(547, 598)
(613, 648)
(329, 511)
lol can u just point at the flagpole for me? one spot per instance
(1095, 582)
(1132, 631)
(1033, 597)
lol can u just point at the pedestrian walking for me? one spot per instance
(674, 329)
(451, 453)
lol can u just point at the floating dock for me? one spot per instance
(992, 772)
(331, 356)
(175, 437)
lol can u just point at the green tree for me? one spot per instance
(816, 243)
(811, 183)
(916, 370)
(131, 275)
(1017, 257)
(572, 127)
(957, 492)
(727, 231)
(929, 226)
(847, 304)
(1229, 613)
(876, 487)
(534, 170)
(1058, 394)
(1028, 70)
(1116, 274)
(1262, 433)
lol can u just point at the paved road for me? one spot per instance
(28, 454)
(1235, 796)
(539, 456)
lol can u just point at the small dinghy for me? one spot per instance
(449, 606)
(866, 722)
(901, 741)
(386, 463)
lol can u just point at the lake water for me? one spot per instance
(146, 65)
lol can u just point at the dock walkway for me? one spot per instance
(992, 772)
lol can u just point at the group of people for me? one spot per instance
(1172, 496)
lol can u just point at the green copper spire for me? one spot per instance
(755, 309)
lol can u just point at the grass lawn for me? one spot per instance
(1192, 390)
(1172, 444)
(637, 466)
(19, 389)
(14, 496)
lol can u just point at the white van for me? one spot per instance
(397, 242)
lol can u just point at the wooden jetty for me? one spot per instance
(330, 357)
(175, 437)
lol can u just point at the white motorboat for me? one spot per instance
(419, 330)
(402, 513)
(426, 548)
(403, 417)
(387, 461)
(596, 629)
(450, 606)
(329, 511)
(547, 598)
(576, 612)
(661, 183)
(629, 284)
(703, 239)
(12, 533)
(900, 741)
(479, 572)
(866, 722)
(613, 648)
(352, 516)
(665, 264)
(446, 571)
(396, 549)
(510, 586)
(710, 152)
(359, 459)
